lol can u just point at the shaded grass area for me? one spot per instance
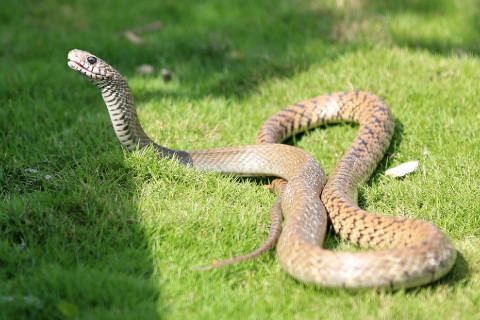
(93, 232)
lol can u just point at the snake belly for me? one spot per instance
(421, 253)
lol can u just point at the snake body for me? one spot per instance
(419, 252)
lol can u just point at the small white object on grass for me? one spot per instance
(35, 171)
(403, 169)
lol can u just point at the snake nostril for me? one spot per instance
(91, 60)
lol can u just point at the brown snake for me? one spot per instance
(419, 253)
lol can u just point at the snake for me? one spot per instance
(406, 252)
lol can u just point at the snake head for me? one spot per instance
(91, 67)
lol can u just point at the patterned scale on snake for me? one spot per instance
(418, 252)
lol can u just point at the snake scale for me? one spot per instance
(418, 252)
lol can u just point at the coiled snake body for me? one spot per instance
(419, 253)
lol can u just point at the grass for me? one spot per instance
(96, 232)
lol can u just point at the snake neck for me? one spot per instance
(120, 104)
(121, 107)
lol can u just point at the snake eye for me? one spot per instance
(91, 60)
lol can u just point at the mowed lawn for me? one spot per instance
(90, 231)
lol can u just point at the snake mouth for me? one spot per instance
(77, 63)
(77, 66)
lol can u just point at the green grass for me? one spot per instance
(112, 235)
